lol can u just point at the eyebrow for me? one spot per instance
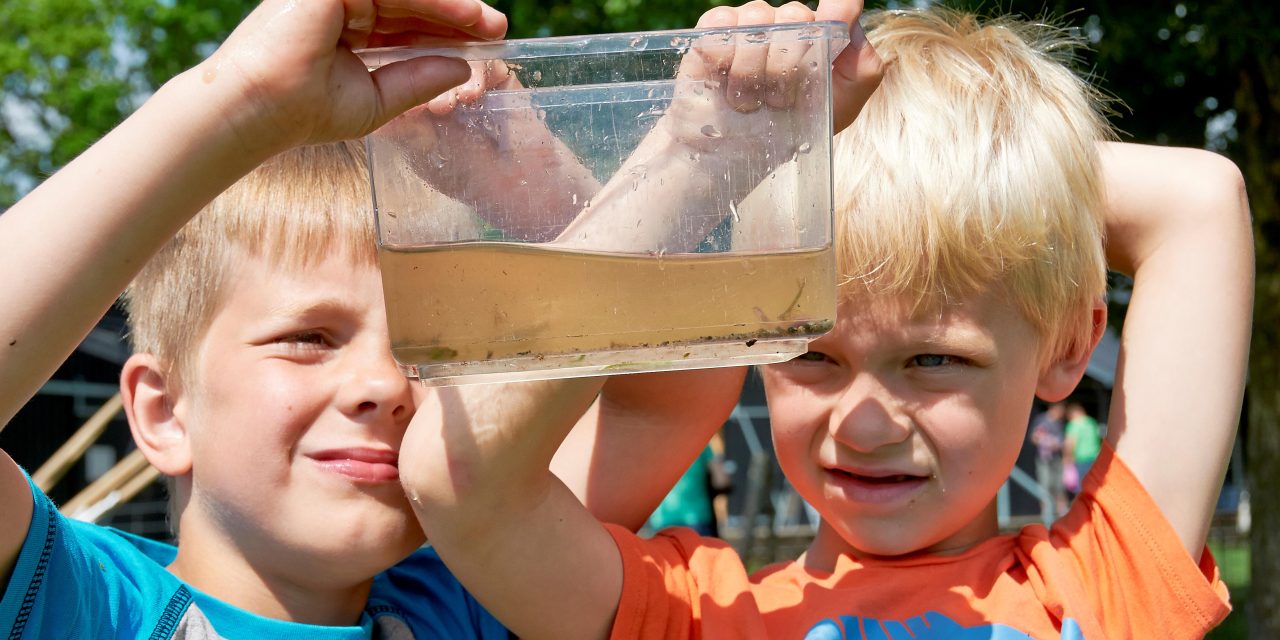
(955, 338)
(308, 307)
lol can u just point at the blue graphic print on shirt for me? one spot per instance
(930, 626)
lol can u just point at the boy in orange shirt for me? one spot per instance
(263, 383)
(973, 198)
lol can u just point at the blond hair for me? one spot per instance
(975, 164)
(293, 210)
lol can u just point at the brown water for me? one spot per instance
(492, 300)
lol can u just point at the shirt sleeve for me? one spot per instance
(421, 591)
(1131, 564)
(681, 585)
(50, 593)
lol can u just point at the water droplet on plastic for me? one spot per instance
(575, 199)
(711, 131)
(635, 42)
(805, 147)
(438, 160)
(757, 36)
(537, 76)
(813, 64)
(733, 209)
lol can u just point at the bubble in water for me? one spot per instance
(635, 42)
(813, 64)
(757, 36)
(711, 131)
(733, 209)
(438, 159)
(537, 76)
(575, 199)
(805, 147)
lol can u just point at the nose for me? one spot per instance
(866, 416)
(374, 390)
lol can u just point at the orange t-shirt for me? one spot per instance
(1112, 567)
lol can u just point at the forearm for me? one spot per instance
(642, 207)
(475, 467)
(476, 452)
(71, 246)
(1179, 224)
(641, 435)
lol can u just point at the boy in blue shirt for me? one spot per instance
(264, 385)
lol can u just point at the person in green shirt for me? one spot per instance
(1082, 440)
(691, 502)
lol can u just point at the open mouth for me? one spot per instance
(876, 488)
(879, 480)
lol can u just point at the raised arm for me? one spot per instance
(481, 484)
(285, 77)
(1178, 222)
(640, 435)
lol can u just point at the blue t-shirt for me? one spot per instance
(80, 580)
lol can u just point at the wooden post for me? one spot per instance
(57, 465)
(119, 475)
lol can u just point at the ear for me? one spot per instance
(155, 414)
(1061, 375)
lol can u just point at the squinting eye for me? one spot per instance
(929, 360)
(308, 338)
(811, 356)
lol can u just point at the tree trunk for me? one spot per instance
(1258, 108)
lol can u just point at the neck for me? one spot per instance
(287, 588)
(829, 545)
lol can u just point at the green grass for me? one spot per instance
(1233, 563)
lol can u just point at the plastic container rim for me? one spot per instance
(595, 44)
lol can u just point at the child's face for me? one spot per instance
(900, 428)
(295, 420)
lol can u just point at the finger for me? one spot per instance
(855, 74)
(444, 103)
(783, 72)
(408, 83)
(472, 17)
(358, 18)
(715, 51)
(745, 88)
(475, 86)
(426, 35)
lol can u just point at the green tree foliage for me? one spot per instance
(72, 69)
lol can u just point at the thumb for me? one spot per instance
(408, 83)
(855, 74)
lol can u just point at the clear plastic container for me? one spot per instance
(611, 203)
